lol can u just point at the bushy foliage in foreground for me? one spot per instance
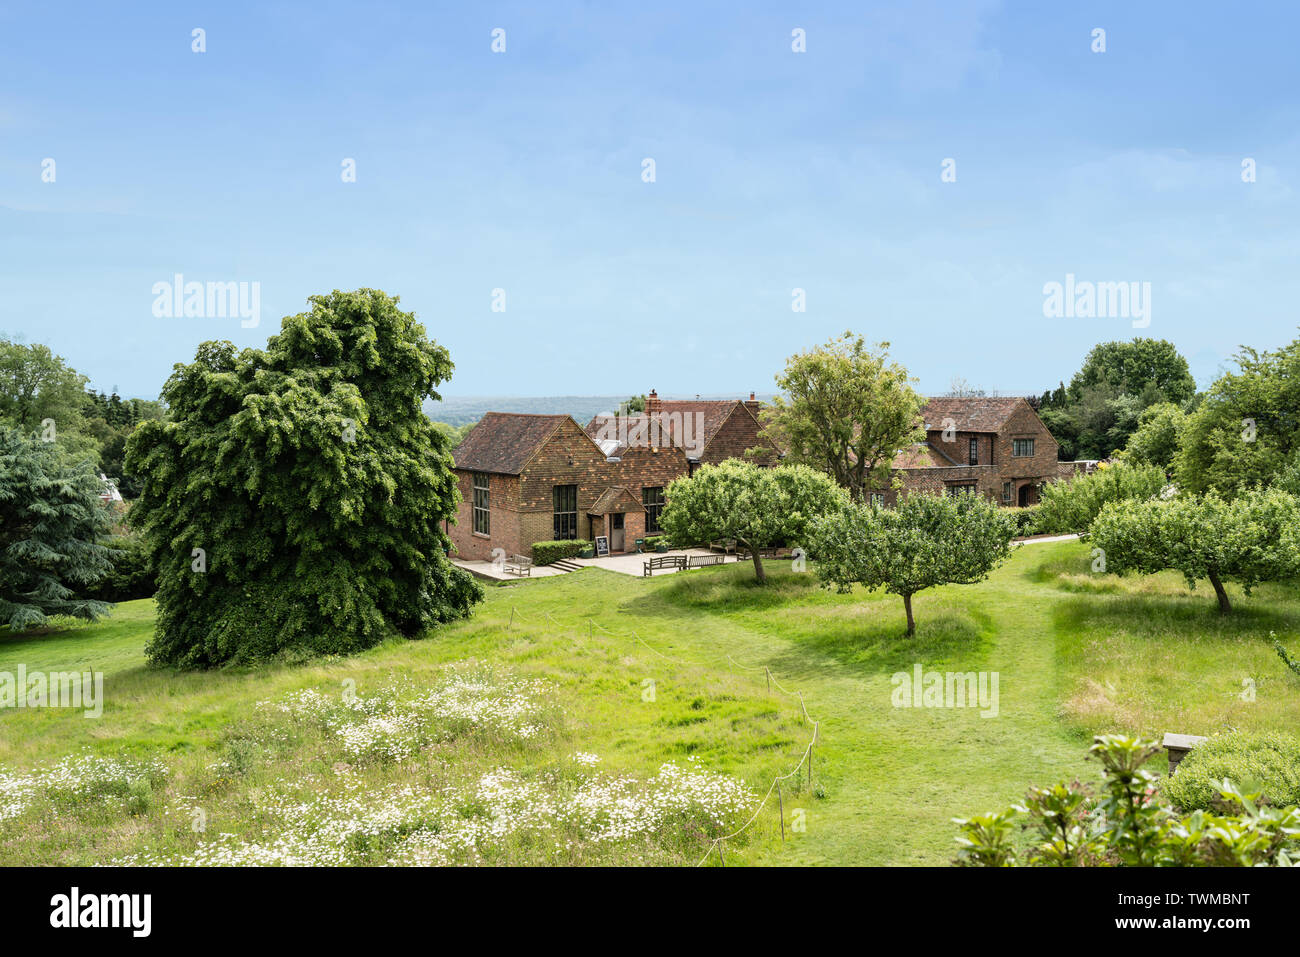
(1070, 506)
(1271, 760)
(295, 499)
(1127, 824)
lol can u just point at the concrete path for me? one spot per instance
(631, 564)
(1039, 539)
(498, 573)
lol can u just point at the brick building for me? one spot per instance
(995, 447)
(531, 478)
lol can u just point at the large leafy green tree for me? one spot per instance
(1247, 428)
(758, 507)
(294, 501)
(41, 395)
(846, 410)
(925, 540)
(51, 523)
(1094, 416)
(1249, 539)
(1159, 432)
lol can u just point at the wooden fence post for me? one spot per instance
(781, 806)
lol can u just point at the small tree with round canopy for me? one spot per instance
(758, 507)
(925, 540)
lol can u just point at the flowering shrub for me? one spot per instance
(1128, 824)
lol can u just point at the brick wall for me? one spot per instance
(997, 464)
(502, 495)
(522, 506)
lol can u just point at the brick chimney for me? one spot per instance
(652, 404)
(753, 405)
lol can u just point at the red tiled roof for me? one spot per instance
(713, 415)
(918, 456)
(616, 498)
(503, 442)
(972, 413)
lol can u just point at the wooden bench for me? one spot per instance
(745, 554)
(653, 565)
(1178, 745)
(519, 565)
(701, 561)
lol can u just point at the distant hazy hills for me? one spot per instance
(457, 410)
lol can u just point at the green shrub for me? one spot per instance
(1071, 505)
(654, 541)
(1272, 760)
(131, 576)
(544, 553)
(1129, 825)
(1026, 519)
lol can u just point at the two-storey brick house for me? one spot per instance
(530, 478)
(995, 447)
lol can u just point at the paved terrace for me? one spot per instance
(630, 564)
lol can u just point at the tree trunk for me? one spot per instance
(1224, 606)
(758, 565)
(911, 622)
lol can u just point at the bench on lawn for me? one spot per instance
(519, 565)
(745, 554)
(700, 561)
(653, 565)
(1178, 745)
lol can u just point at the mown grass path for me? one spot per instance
(1074, 653)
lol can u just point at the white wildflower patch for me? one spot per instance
(16, 793)
(398, 721)
(587, 759)
(78, 778)
(408, 825)
(507, 706)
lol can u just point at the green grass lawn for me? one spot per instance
(1076, 654)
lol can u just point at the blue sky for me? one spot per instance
(775, 170)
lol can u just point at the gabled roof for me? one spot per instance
(503, 442)
(918, 456)
(970, 413)
(713, 414)
(616, 498)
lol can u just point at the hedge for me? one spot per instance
(1271, 758)
(546, 552)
